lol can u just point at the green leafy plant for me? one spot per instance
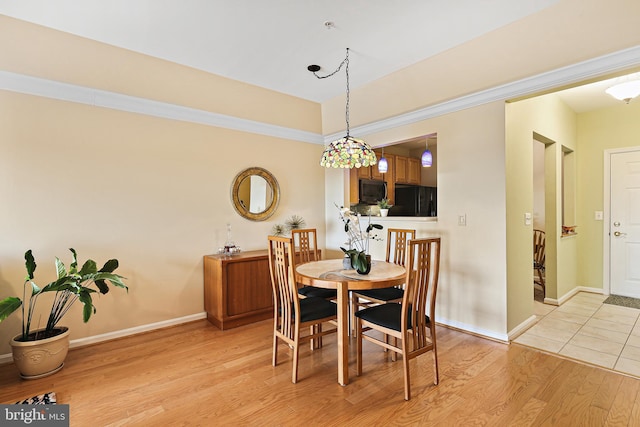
(358, 259)
(71, 285)
(384, 204)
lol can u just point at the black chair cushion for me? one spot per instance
(384, 294)
(313, 308)
(385, 315)
(312, 291)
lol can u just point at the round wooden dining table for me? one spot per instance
(330, 274)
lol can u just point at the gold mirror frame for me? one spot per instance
(235, 191)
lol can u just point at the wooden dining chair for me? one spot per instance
(306, 246)
(397, 239)
(305, 242)
(292, 314)
(539, 258)
(413, 321)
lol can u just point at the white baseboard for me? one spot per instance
(574, 291)
(81, 342)
(474, 330)
(515, 332)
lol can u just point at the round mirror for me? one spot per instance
(255, 194)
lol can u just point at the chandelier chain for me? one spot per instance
(344, 62)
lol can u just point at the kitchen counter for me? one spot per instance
(404, 218)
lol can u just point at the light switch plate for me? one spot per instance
(462, 219)
(599, 216)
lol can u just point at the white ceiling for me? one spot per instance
(593, 96)
(270, 43)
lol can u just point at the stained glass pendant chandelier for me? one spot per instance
(346, 152)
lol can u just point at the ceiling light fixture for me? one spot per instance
(427, 157)
(383, 165)
(346, 152)
(625, 91)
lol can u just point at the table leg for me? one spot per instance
(343, 334)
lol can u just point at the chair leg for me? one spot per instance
(275, 350)
(405, 366)
(313, 341)
(358, 333)
(394, 355)
(296, 350)
(436, 377)
(354, 308)
(540, 281)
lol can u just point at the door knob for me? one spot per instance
(618, 234)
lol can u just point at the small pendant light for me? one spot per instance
(383, 165)
(427, 158)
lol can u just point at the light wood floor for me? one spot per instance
(195, 374)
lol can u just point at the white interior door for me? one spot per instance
(624, 227)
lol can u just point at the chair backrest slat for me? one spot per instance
(397, 239)
(306, 244)
(419, 301)
(285, 291)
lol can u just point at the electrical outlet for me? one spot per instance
(462, 219)
(527, 218)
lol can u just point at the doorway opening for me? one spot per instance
(538, 221)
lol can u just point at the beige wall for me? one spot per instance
(152, 192)
(600, 130)
(546, 119)
(169, 188)
(471, 181)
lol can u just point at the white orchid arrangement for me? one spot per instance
(357, 239)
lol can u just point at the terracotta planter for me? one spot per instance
(40, 358)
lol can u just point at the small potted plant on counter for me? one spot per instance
(384, 206)
(41, 352)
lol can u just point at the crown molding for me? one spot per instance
(575, 73)
(571, 74)
(100, 98)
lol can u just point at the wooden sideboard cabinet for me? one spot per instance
(237, 289)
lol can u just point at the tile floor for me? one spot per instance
(585, 329)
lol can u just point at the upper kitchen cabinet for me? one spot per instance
(370, 172)
(415, 168)
(407, 170)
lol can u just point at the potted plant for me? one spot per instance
(71, 285)
(358, 240)
(384, 206)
